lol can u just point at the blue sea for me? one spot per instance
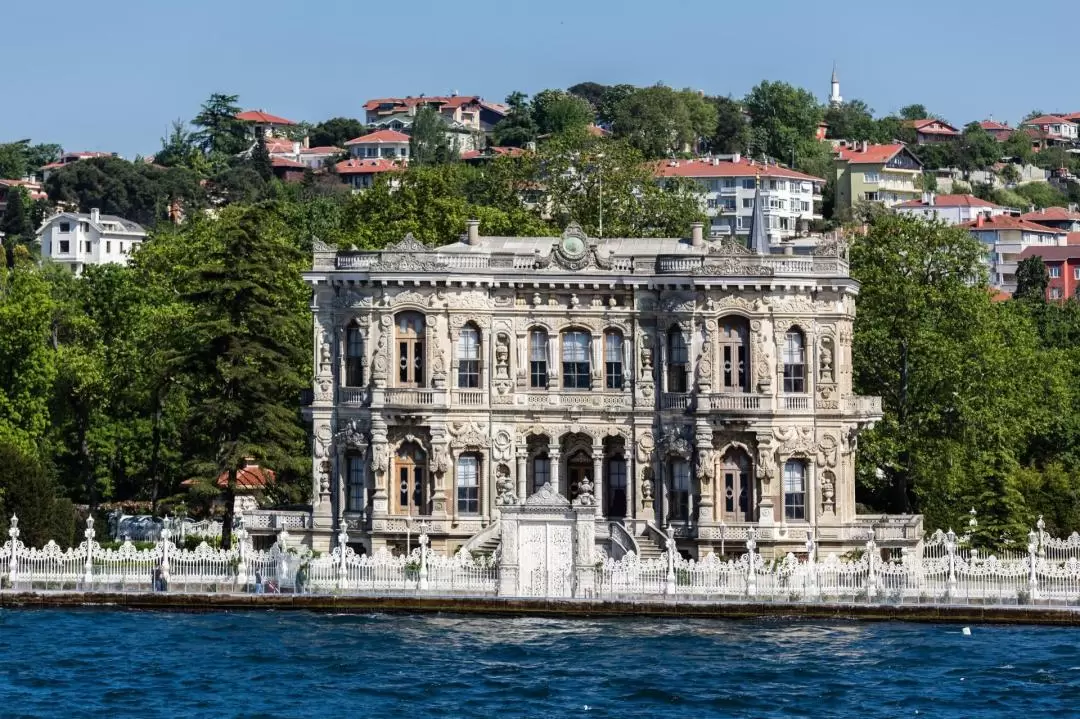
(100, 663)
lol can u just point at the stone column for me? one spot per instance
(439, 466)
(598, 478)
(706, 473)
(596, 379)
(380, 467)
(522, 457)
(768, 476)
(553, 461)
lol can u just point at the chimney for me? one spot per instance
(735, 158)
(979, 220)
(697, 234)
(473, 231)
(95, 215)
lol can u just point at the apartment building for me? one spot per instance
(886, 174)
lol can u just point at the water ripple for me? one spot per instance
(280, 664)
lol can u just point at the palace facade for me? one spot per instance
(675, 383)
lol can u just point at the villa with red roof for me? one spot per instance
(1059, 218)
(884, 174)
(1050, 130)
(361, 173)
(950, 209)
(729, 183)
(931, 130)
(387, 144)
(470, 111)
(1006, 238)
(1000, 131)
(264, 123)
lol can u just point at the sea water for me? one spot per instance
(290, 664)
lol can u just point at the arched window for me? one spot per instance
(795, 489)
(468, 350)
(680, 490)
(467, 477)
(354, 357)
(354, 482)
(678, 361)
(794, 362)
(734, 353)
(541, 471)
(613, 360)
(538, 359)
(410, 342)
(615, 489)
(576, 346)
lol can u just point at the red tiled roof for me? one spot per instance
(321, 150)
(406, 102)
(285, 162)
(1047, 120)
(926, 127)
(952, 201)
(250, 477)
(379, 136)
(872, 155)
(726, 168)
(356, 166)
(1072, 116)
(1051, 214)
(32, 188)
(1073, 238)
(493, 150)
(999, 296)
(1053, 254)
(276, 144)
(262, 117)
(991, 125)
(51, 166)
(1008, 222)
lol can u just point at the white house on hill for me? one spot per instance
(76, 240)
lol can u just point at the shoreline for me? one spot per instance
(542, 607)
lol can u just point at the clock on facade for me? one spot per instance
(573, 246)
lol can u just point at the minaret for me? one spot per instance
(834, 90)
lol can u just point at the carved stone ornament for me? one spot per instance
(502, 446)
(574, 251)
(762, 365)
(504, 487)
(646, 486)
(468, 434)
(674, 443)
(825, 359)
(828, 491)
(380, 457)
(318, 245)
(546, 496)
(705, 466)
(645, 447)
(733, 267)
(354, 439)
(832, 248)
(502, 357)
(728, 247)
(585, 497)
(795, 440)
(827, 450)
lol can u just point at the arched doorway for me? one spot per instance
(410, 472)
(736, 487)
(579, 465)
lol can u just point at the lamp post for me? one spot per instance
(423, 540)
(669, 587)
(408, 534)
(810, 566)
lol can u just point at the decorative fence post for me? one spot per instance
(1042, 537)
(669, 586)
(14, 544)
(811, 568)
(1033, 581)
(165, 535)
(950, 549)
(241, 562)
(343, 569)
(751, 575)
(88, 565)
(871, 574)
(423, 540)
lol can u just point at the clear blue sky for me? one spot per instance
(110, 75)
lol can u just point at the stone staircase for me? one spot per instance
(488, 546)
(648, 547)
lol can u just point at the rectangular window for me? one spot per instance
(680, 490)
(355, 483)
(794, 363)
(794, 489)
(108, 246)
(469, 359)
(678, 362)
(575, 360)
(354, 358)
(1055, 293)
(805, 206)
(871, 177)
(1055, 271)
(538, 359)
(748, 183)
(65, 247)
(86, 245)
(613, 360)
(468, 486)
(65, 227)
(615, 492)
(747, 203)
(1076, 273)
(541, 467)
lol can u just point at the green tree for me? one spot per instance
(518, 128)
(178, 149)
(15, 223)
(977, 149)
(610, 100)
(732, 133)
(1032, 279)
(1041, 194)
(13, 160)
(336, 131)
(782, 116)
(428, 144)
(28, 492)
(41, 154)
(591, 92)
(221, 134)
(260, 159)
(556, 112)
(852, 120)
(244, 353)
(1018, 147)
(659, 121)
(916, 111)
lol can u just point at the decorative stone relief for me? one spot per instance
(646, 487)
(706, 466)
(762, 356)
(502, 446)
(502, 357)
(467, 434)
(705, 367)
(585, 497)
(827, 450)
(504, 487)
(325, 352)
(674, 443)
(728, 302)
(825, 360)
(795, 440)
(828, 492)
(410, 297)
(794, 306)
(645, 447)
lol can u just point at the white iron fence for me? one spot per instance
(939, 570)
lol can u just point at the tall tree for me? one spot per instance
(220, 132)
(1032, 279)
(852, 120)
(335, 132)
(518, 128)
(591, 92)
(260, 159)
(15, 224)
(656, 121)
(977, 149)
(243, 352)
(732, 132)
(916, 111)
(783, 115)
(177, 148)
(428, 143)
(13, 160)
(555, 112)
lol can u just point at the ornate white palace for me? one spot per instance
(687, 385)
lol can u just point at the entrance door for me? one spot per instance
(737, 488)
(615, 488)
(546, 559)
(409, 471)
(410, 341)
(578, 467)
